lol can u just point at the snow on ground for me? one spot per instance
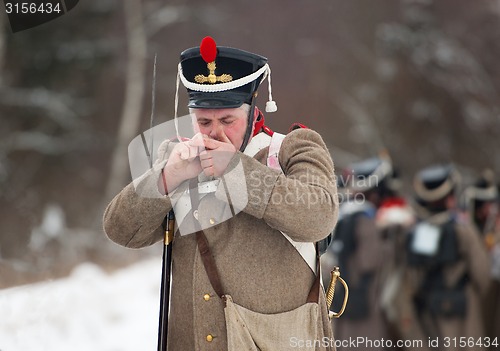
(87, 311)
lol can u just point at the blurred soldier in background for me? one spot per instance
(358, 247)
(447, 263)
(481, 200)
(495, 252)
(482, 206)
(393, 220)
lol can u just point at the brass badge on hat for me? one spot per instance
(208, 51)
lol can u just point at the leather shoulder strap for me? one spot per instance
(209, 262)
(201, 240)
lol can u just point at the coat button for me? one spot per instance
(212, 221)
(209, 338)
(195, 214)
(206, 297)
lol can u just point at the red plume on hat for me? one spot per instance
(208, 49)
(208, 52)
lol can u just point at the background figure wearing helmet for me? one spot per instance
(361, 247)
(447, 262)
(482, 201)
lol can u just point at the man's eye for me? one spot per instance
(226, 122)
(204, 123)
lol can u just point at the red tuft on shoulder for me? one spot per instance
(297, 125)
(208, 49)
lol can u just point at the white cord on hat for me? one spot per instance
(214, 88)
(270, 104)
(176, 105)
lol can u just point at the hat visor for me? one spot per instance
(218, 100)
(215, 103)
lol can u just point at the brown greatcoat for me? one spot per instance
(257, 265)
(367, 258)
(475, 261)
(491, 302)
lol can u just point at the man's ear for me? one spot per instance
(256, 113)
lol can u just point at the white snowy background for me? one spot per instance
(88, 311)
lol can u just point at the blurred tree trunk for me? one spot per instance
(134, 96)
(2, 48)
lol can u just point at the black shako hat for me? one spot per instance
(369, 173)
(435, 182)
(484, 189)
(222, 77)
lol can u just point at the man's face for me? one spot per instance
(231, 121)
(487, 209)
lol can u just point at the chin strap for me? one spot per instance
(248, 132)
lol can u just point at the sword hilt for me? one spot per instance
(330, 293)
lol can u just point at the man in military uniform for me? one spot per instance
(251, 239)
(359, 247)
(482, 207)
(393, 220)
(447, 264)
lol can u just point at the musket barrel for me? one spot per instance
(165, 283)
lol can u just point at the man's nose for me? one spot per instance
(214, 131)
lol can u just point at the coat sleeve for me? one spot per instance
(302, 201)
(134, 217)
(369, 245)
(476, 257)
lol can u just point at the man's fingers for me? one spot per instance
(211, 144)
(222, 136)
(183, 152)
(206, 163)
(187, 152)
(197, 140)
(209, 171)
(205, 155)
(206, 160)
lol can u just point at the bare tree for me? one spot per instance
(134, 95)
(2, 48)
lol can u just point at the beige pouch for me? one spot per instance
(251, 331)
